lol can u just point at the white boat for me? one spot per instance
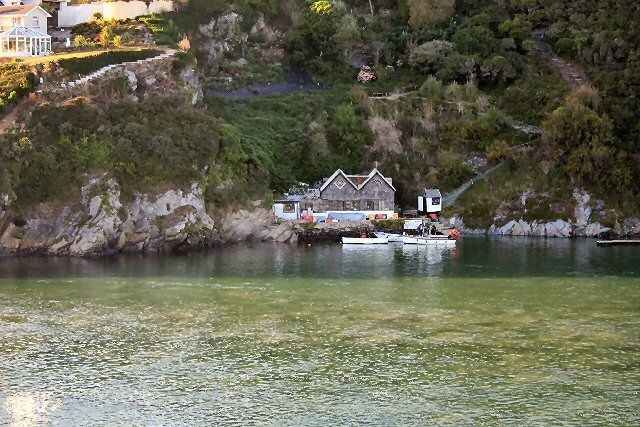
(430, 240)
(392, 237)
(364, 240)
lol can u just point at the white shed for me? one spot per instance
(287, 209)
(430, 203)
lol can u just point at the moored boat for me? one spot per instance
(391, 236)
(428, 240)
(364, 240)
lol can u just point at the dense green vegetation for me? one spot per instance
(163, 29)
(88, 64)
(141, 145)
(16, 81)
(464, 71)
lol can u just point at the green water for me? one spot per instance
(495, 331)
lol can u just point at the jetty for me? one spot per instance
(622, 242)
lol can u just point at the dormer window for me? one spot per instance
(36, 22)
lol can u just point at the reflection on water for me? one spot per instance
(492, 331)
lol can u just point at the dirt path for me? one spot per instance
(572, 73)
(10, 119)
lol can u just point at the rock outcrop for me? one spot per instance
(582, 225)
(101, 223)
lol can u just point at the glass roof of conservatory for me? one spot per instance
(23, 32)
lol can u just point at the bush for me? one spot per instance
(498, 150)
(432, 88)
(16, 81)
(430, 56)
(163, 29)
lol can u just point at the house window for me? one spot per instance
(289, 208)
(371, 205)
(377, 183)
(36, 22)
(435, 201)
(16, 22)
(340, 183)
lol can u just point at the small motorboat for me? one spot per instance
(390, 236)
(435, 234)
(365, 240)
(428, 240)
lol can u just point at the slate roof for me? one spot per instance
(20, 10)
(350, 178)
(432, 192)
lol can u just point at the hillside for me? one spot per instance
(431, 91)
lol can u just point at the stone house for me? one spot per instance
(341, 192)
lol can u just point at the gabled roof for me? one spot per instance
(373, 173)
(21, 10)
(24, 32)
(332, 177)
(348, 178)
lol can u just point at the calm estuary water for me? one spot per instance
(495, 331)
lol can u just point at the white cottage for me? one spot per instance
(23, 29)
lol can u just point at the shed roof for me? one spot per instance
(432, 192)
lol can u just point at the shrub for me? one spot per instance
(117, 41)
(498, 151)
(81, 41)
(432, 88)
(430, 56)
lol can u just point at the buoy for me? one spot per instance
(308, 245)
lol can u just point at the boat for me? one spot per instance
(391, 236)
(365, 240)
(623, 242)
(428, 240)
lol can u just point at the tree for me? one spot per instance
(348, 36)
(347, 136)
(516, 28)
(106, 35)
(431, 55)
(497, 68)
(429, 12)
(580, 139)
(475, 41)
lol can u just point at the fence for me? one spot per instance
(68, 16)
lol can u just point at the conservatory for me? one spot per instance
(22, 41)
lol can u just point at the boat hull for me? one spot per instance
(410, 240)
(392, 237)
(364, 240)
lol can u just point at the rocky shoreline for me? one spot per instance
(102, 223)
(582, 224)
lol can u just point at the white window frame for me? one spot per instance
(36, 22)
